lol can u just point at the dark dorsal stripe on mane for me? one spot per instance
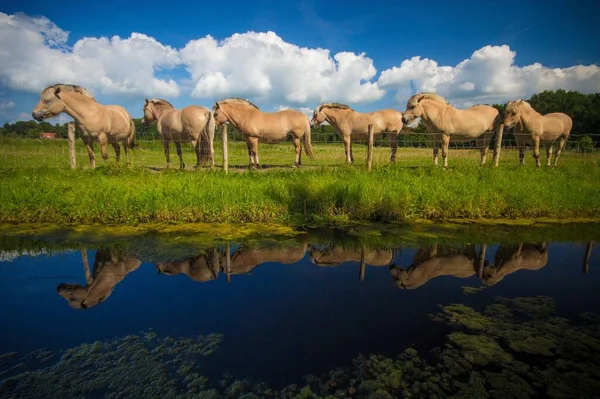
(333, 105)
(69, 87)
(412, 101)
(236, 100)
(160, 101)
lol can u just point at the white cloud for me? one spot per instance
(34, 54)
(6, 105)
(304, 110)
(264, 67)
(488, 76)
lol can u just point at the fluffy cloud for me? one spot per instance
(488, 76)
(263, 66)
(34, 54)
(304, 110)
(6, 105)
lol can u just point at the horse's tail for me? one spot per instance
(307, 143)
(206, 142)
(131, 138)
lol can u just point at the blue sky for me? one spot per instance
(555, 34)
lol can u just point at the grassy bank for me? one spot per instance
(312, 195)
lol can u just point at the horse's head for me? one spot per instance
(400, 277)
(73, 293)
(219, 115)
(169, 268)
(414, 107)
(149, 115)
(512, 115)
(318, 117)
(490, 274)
(50, 104)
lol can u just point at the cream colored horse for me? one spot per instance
(193, 124)
(511, 259)
(445, 123)
(110, 268)
(201, 268)
(335, 255)
(264, 127)
(434, 262)
(100, 123)
(532, 127)
(351, 125)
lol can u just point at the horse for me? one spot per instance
(193, 123)
(247, 258)
(110, 268)
(265, 127)
(99, 123)
(351, 125)
(445, 123)
(531, 126)
(431, 262)
(201, 268)
(510, 259)
(334, 255)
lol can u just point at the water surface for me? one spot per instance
(282, 308)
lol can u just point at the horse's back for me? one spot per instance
(194, 116)
(557, 123)
(120, 119)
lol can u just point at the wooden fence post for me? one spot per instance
(228, 262)
(498, 146)
(482, 251)
(225, 155)
(71, 138)
(363, 263)
(370, 149)
(586, 257)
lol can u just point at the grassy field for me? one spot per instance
(38, 186)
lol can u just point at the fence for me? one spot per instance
(33, 149)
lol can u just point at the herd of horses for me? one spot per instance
(111, 266)
(195, 124)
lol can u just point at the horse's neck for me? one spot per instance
(79, 107)
(335, 116)
(235, 117)
(432, 115)
(529, 117)
(161, 111)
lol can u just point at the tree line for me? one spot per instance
(584, 109)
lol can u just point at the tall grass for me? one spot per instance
(315, 195)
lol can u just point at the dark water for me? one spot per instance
(285, 308)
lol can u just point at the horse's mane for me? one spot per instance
(74, 88)
(518, 102)
(333, 105)
(236, 100)
(160, 101)
(414, 100)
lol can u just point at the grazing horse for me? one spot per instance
(335, 255)
(110, 268)
(510, 259)
(102, 123)
(247, 258)
(445, 123)
(531, 126)
(351, 125)
(429, 263)
(265, 127)
(193, 123)
(200, 268)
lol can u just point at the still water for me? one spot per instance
(300, 316)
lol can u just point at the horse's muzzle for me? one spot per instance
(405, 120)
(38, 116)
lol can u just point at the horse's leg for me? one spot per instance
(167, 152)
(436, 149)
(561, 145)
(250, 157)
(549, 154)
(196, 144)
(521, 153)
(485, 148)
(536, 151)
(103, 146)
(254, 142)
(445, 143)
(179, 154)
(393, 138)
(117, 150)
(126, 149)
(347, 148)
(298, 152)
(89, 144)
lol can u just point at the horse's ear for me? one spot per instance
(147, 101)
(216, 106)
(57, 92)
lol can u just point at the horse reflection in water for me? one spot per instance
(207, 266)
(201, 268)
(435, 261)
(335, 255)
(110, 268)
(511, 259)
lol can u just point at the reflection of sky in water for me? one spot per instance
(279, 321)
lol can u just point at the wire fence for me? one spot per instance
(35, 149)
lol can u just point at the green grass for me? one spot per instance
(323, 191)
